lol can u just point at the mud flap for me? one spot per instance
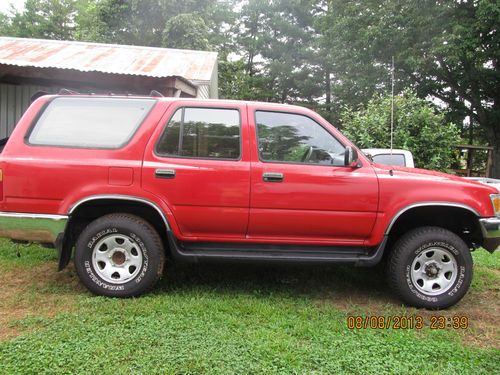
(63, 250)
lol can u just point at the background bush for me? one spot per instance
(418, 127)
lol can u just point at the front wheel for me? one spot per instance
(119, 255)
(430, 267)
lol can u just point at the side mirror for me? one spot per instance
(351, 157)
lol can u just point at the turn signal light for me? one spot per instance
(495, 201)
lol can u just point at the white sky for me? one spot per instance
(5, 5)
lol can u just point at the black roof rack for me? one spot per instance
(38, 94)
(153, 93)
(67, 92)
(156, 94)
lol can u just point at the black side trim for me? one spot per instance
(375, 258)
(198, 252)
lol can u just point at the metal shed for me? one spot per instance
(31, 65)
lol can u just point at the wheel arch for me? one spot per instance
(90, 208)
(460, 219)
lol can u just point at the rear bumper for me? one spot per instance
(490, 227)
(32, 227)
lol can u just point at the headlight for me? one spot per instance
(495, 201)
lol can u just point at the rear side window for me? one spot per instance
(212, 133)
(107, 123)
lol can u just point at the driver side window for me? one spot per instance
(292, 138)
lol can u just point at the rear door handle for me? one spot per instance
(165, 173)
(272, 177)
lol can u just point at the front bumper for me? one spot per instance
(490, 227)
(32, 227)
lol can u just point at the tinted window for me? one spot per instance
(394, 159)
(90, 122)
(286, 137)
(202, 133)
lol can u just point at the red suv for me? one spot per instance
(129, 181)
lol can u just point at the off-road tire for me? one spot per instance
(413, 249)
(143, 250)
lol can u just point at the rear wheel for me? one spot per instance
(430, 267)
(119, 255)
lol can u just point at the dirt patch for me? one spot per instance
(481, 309)
(40, 292)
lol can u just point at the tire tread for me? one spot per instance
(143, 225)
(398, 253)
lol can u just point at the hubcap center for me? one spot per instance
(432, 270)
(118, 257)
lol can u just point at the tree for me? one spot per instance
(418, 127)
(4, 24)
(142, 22)
(46, 19)
(236, 83)
(275, 41)
(449, 50)
(186, 31)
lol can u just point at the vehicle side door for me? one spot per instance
(301, 191)
(198, 163)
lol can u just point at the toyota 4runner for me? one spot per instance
(129, 181)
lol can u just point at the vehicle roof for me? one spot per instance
(171, 99)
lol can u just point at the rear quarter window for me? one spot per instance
(107, 123)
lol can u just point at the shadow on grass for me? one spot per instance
(349, 289)
(356, 284)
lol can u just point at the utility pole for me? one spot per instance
(392, 102)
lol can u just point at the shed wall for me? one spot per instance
(203, 92)
(14, 100)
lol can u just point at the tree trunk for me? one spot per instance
(495, 143)
(471, 126)
(492, 126)
(495, 168)
(328, 91)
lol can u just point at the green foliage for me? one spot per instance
(4, 24)
(46, 19)
(232, 79)
(104, 22)
(276, 41)
(186, 31)
(418, 127)
(236, 83)
(143, 22)
(283, 143)
(445, 49)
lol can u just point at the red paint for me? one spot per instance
(218, 200)
(208, 197)
(120, 176)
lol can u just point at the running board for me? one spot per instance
(198, 252)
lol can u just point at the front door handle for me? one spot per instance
(165, 173)
(272, 177)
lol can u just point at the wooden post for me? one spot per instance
(489, 163)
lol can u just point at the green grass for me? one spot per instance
(227, 319)
(13, 255)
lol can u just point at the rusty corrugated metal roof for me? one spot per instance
(108, 58)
